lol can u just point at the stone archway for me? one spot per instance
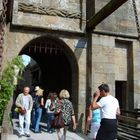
(59, 68)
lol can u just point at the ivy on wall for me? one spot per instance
(6, 83)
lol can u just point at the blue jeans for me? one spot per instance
(38, 115)
(50, 118)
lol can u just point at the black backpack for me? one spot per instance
(36, 103)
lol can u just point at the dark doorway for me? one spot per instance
(57, 64)
(56, 72)
(121, 93)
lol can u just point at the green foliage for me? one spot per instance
(6, 83)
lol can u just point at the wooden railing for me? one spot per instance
(129, 125)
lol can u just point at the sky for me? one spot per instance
(26, 59)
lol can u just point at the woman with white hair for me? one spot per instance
(66, 108)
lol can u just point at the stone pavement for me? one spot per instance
(44, 135)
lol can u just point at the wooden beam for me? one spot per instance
(103, 13)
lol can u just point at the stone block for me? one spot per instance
(121, 21)
(1, 5)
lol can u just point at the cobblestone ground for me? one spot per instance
(44, 135)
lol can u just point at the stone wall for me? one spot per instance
(110, 64)
(51, 14)
(1, 5)
(120, 57)
(136, 54)
(122, 21)
(15, 41)
(103, 61)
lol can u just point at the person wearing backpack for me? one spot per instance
(38, 106)
(50, 107)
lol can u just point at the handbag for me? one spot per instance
(58, 121)
(20, 110)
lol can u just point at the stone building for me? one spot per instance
(53, 33)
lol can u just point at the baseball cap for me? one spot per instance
(37, 88)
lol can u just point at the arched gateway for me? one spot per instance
(58, 65)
